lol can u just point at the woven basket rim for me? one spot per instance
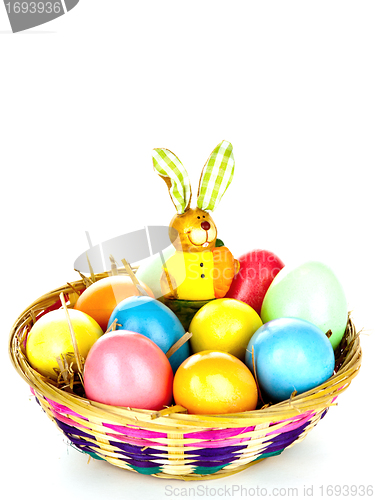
(175, 418)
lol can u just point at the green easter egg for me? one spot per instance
(310, 292)
(150, 270)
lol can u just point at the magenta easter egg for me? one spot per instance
(125, 368)
(258, 268)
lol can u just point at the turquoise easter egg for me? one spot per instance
(311, 292)
(154, 320)
(150, 270)
(289, 355)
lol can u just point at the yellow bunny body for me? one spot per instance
(190, 275)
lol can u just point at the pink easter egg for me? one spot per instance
(125, 368)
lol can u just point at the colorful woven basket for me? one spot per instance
(171, 443)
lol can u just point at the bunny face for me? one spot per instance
(196, 230)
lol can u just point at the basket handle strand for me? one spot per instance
(137, 284)
(93, 279)
(114, 269)
(72, 335)
(178, 344)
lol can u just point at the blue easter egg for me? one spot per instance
(289, 355)
(156, 321)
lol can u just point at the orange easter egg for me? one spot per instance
(100, 298)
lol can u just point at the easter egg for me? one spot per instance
(289, 355)
(224, 325)
(214, 382)
(312, 292)
(150, 270)
(257, 270)
(50, 338)
(100, 298)
(125, 368)
(155, 320)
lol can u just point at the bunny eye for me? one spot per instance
(198, 217)
(204, 216)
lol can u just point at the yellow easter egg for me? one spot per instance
(214, 382)
(50, 338)
(224, 325)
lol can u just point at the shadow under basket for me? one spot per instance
(171, 443)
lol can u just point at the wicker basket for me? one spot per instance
(171, 443)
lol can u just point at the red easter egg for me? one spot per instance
(258, 268)
(125, 368)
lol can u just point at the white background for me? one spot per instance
(85, 98)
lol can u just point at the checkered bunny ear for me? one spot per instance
(169, 167)
(216, 176)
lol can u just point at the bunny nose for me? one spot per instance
(205, 225)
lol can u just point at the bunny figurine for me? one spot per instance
(198, 270)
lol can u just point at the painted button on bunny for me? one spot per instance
(199, 270)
